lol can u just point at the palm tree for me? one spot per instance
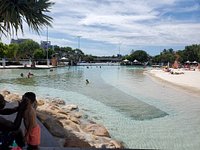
(14, 12)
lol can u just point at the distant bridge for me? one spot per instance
(108, 59)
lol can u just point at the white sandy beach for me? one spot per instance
(189, 79)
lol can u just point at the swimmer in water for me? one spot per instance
(87, 81)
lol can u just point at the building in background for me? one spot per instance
(18, 41)
(46, 44)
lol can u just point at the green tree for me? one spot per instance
(165, 57)
(50, 53)
(33, 12)
(88, 58)
(3, 48)
(191, 52)
(12, 51)
(168, 57)
(181, 55)
(198, 55)
(39, 54)
(156, 59)
(27, 48)
(139, 55)
(78, 55)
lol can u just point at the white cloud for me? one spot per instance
(132, 22)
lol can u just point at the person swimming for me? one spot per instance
(22, 75)
(30, 74)
(87, 81)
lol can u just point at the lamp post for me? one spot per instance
(119, 53)
(119, 48)
(79, 41)
(47, 47)
(79, 45)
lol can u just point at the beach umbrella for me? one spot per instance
(188, 62)
(63, 58)
(194, 62)
(135, 61)
(126, 60)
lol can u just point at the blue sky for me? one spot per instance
(109, 26)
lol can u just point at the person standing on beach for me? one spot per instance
(11, 130)
(32, 129)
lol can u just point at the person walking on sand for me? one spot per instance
(32, 128)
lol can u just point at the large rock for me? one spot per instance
(97, 130)
(40, 102)
(54, 107)
(5, 92)
(74, 119)
(70, 125)
(63, 112)
(55, 127)
(116, 144)
(58, 102)
(77, 114)
(43, 116)
(70, 107)
(76, 142)
(13, 97)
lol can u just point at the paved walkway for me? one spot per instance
(28, 67)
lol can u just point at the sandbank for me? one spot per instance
(188, 80)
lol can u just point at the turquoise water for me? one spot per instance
(135, 109)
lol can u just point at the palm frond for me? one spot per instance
(13, 12)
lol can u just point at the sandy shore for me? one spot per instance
(187, 79)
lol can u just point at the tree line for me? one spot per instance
(30, 49)
(189, 53)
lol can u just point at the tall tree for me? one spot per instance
(14, 12)
(27, 48)
(139, 55)
(12, 51)
(191, 52)
(39, 54)
(3, 48)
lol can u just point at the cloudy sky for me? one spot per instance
(108, 27)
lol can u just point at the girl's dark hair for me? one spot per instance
(31, 96)
(1, 98)
(2, 102)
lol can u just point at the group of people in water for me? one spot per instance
(10, 132)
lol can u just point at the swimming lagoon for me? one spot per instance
(136, 109)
